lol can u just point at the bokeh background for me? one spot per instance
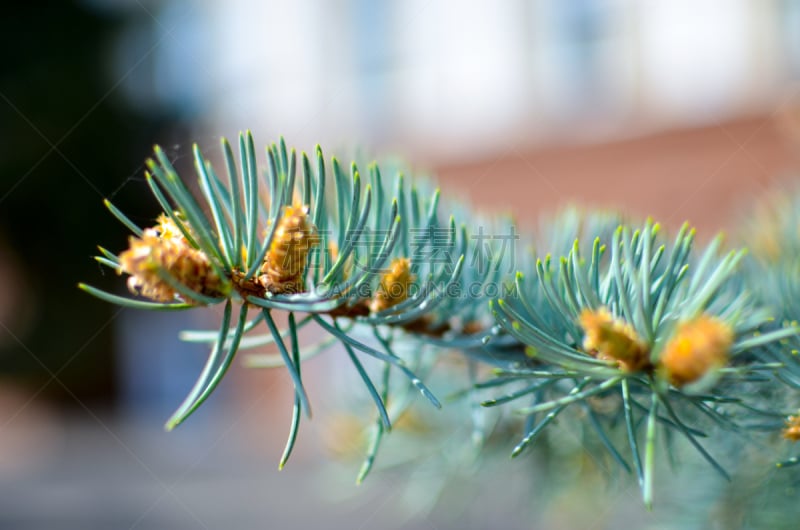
(682, 110)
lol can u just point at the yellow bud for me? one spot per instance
(792, 430)
(164, 247)
(610, 338)
(696, 347)
(285, 261)
(394, 285)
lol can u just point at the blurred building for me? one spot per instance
(456, 79)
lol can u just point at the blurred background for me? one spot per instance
(683, 110)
